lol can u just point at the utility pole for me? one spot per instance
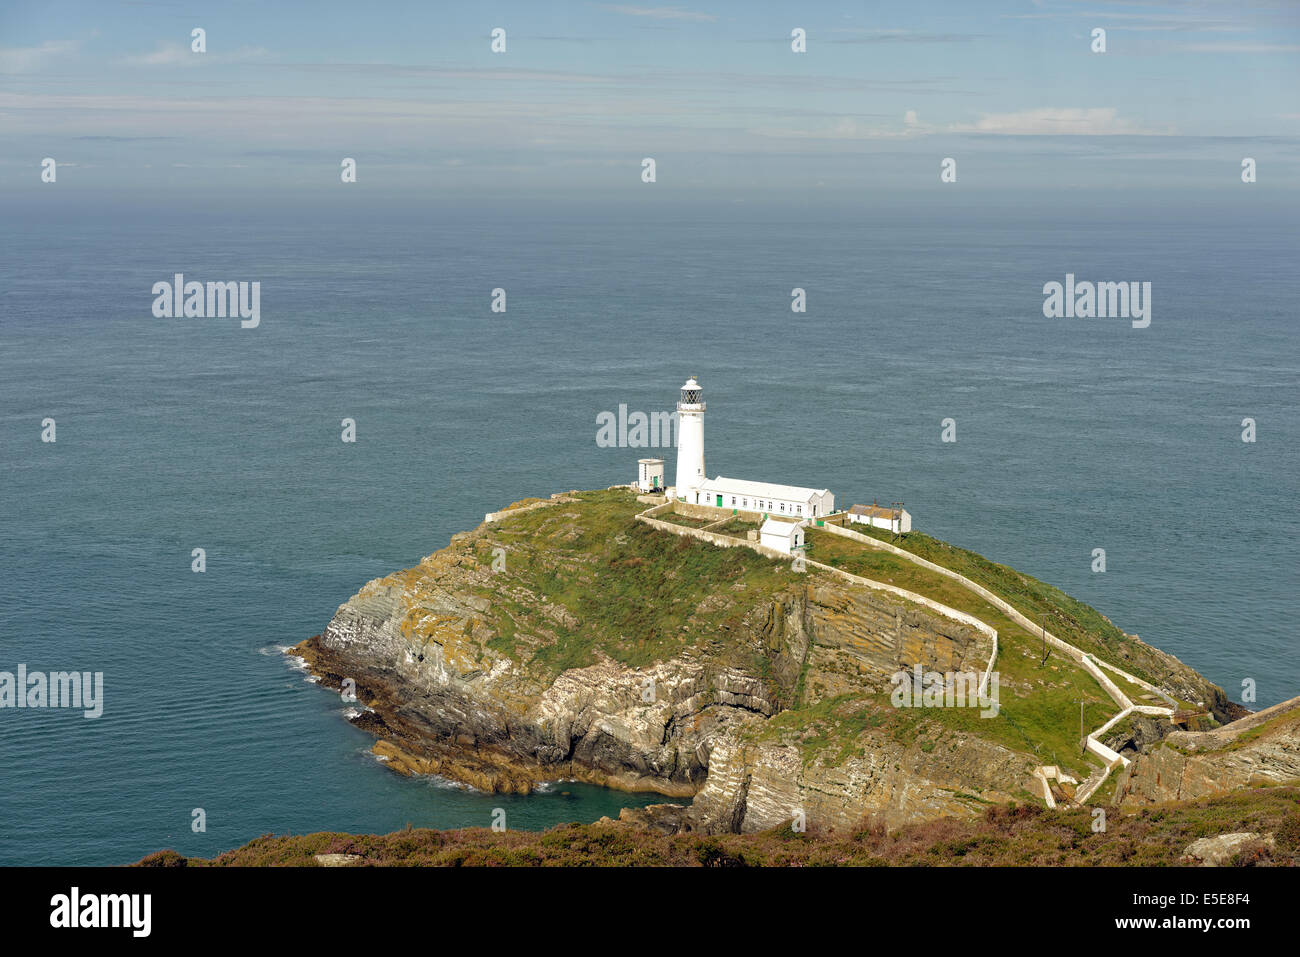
(1082, 740)
(1044, 621)
(897, 525)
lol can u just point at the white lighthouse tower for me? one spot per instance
(690, 440)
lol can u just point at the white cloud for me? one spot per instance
(23, 59)
(177, 54)
(1241, 48)
(875, 35)
(1046, 121)
(660, 13)
(1055, 121)
(846, 129)
(1182, 22)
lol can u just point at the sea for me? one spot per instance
(173, 434)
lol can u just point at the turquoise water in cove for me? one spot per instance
(175, 434)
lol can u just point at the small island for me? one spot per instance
(772, 665)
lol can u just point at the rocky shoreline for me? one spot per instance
(409, 745)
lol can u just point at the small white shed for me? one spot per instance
(650, 475)
(782, 536)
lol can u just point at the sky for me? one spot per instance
(585, 91)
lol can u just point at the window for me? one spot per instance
(733, 500)
(783, 506)
(799, 509)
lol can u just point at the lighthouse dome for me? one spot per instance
(691, 392)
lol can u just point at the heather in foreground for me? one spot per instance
(1014, 835)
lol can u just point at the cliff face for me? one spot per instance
(754, 787)
(574, 642)
(1263, 748)
(445, 702)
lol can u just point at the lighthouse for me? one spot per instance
(690, 440)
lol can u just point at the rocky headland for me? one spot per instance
(570, 641)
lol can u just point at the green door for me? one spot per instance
(719, 501)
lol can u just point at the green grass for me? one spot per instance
(685, 520)
(1067, 618)
(1038, 714)
(634, 593)
(828, 729)
(860, 559)
(1039, 703)
(737, 527)
(1271, 726)
(1103, 795)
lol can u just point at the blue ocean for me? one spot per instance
(176, 434)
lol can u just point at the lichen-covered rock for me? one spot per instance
(1223, 848)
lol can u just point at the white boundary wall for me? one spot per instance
(556, 499)
(1089, 663)
(1007, 608)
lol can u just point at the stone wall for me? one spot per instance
(555, 499)
(713, 512)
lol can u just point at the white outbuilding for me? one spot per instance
(894, 519)
(782, 536)
(650, 475)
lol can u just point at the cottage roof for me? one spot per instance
(790, 493)
(874, 511)
(775, 527)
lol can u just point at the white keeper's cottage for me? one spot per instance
(786, 501)
(897, 520)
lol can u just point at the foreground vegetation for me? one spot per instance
(1004, 835)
